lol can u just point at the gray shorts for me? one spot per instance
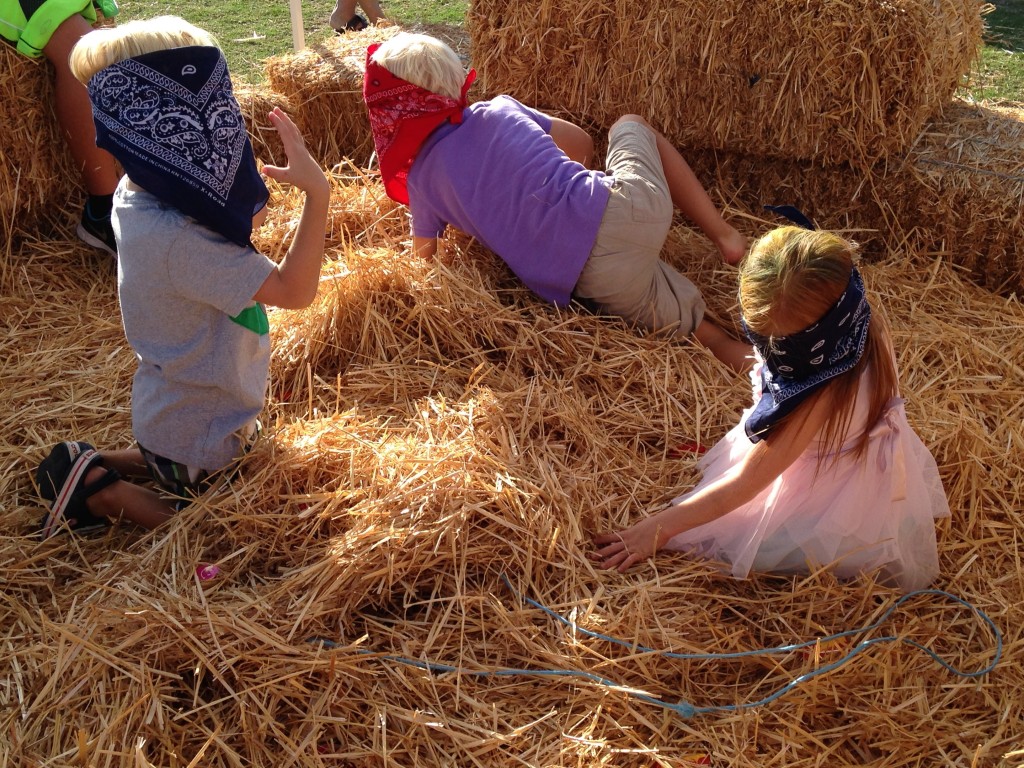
(625, 275)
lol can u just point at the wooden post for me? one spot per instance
(298, 33)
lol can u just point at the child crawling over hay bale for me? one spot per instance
(51, 28)
(824, 468)
(190, 283)
(515, 179)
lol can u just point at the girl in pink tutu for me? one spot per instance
(824, 469)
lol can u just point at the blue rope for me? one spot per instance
(684, 708)
(859, 648)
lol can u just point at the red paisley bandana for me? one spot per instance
(402, 116)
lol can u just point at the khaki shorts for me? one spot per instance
(625, 275)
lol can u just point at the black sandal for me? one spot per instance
(61, 481)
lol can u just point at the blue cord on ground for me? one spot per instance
(684, 708)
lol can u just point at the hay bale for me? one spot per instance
(360, 214)
(256, 103)
(957, 193)
(964, 193)
(822, 80)
(37, 175)
(324, 86)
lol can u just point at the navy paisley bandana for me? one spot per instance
(798, 365)
(171, 120)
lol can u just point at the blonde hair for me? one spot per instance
(103, 47)
(424, 61)
(788, 281)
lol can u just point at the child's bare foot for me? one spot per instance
(732, 245)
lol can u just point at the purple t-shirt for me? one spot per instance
(500, 177)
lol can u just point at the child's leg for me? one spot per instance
(74, 111)
(345, 11)
(129, 462)
(692, 200)
(625, 275)
(142, 506)
(372, 10)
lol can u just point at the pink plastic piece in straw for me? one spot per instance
(207, 572)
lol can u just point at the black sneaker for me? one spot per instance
(356, 24)
(97, 232)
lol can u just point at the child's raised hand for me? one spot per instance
(302, 170)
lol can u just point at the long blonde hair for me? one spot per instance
(788, 281)
(103, 47)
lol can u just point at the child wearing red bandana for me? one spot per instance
(516, 179)
(823, 470)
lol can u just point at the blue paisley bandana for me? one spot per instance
(797, 365)
(171, 120)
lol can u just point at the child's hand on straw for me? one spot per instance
(624, 549)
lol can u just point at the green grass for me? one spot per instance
(250, 32)
(1000, 73)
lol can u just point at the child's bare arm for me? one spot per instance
(573, 140)
(769, 459)
(293, 284)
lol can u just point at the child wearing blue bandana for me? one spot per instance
(824, 469)
(191, 286)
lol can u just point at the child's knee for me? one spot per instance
(631, 119)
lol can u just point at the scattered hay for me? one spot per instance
(432, 429)
(828, 81)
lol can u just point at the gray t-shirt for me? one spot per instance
(203, 345)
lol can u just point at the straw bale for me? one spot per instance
(433, 428)
(956, 194)
(324, 85)
(37, 176)
(822, 80)
(360, 212)
(965, 192)
(256, 103)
